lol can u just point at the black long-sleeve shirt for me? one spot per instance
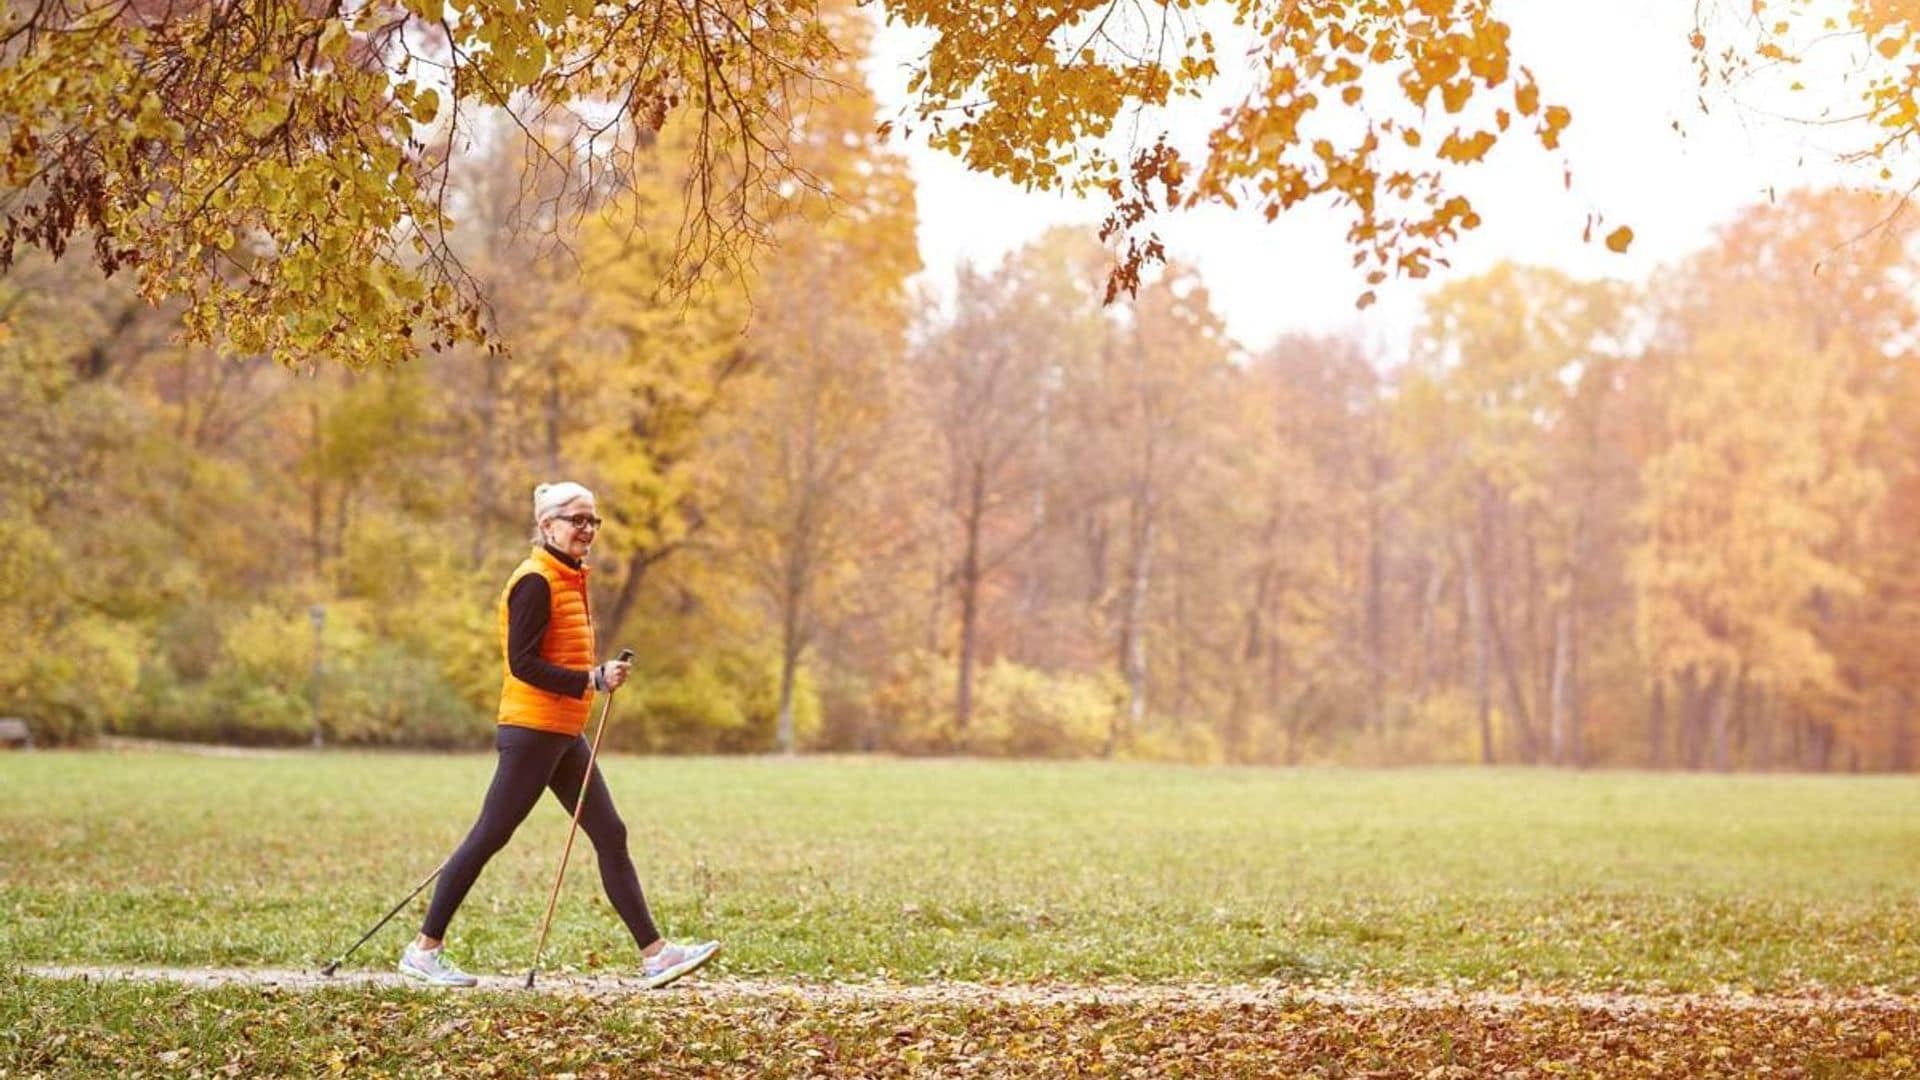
(529, 609)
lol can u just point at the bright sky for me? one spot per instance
(1623, 67)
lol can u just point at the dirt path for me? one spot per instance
(1189, 995)
(126, 744)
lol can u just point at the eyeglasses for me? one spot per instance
(581, 521)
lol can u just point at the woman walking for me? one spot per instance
(547, 635)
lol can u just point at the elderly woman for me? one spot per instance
(548, 690)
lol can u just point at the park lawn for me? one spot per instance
(990, 871)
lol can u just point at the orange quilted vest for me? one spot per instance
(568, 642)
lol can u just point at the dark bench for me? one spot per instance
(14, 733)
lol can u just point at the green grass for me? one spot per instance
(993, 871)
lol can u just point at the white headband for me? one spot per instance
(548, 498)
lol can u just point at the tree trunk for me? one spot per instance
(316, 503)
(1133, 644)
(969, 601)
(1520, 720)
(1820, 746)
(1575, 705)
(1182, 633)
(1470, 580)
(1576, 699)
(1700, 720)
(1430, 596)
(1657, 724)
(343, 514)
(799, 541)
(1741, 736)
(1033, 576)
(1560, 727)
(1722, 693)
(1375, 633)
(789, 667)
(937, 597)
(553, 421)
(1540, 637)
(1272, 647)
(483, 480)
(1295, 721)
(1902, 748)
(629, 593)
(1516, 694)
(1252, 638)
(793, 641)
(1691, 698)
(1465, 626)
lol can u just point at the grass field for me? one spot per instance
(927, 870)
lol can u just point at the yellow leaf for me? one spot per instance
(1467, 150)
(1527, 98)
(334, 39)
(262, 123)
(1620, 239)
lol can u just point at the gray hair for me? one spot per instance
(549, 498)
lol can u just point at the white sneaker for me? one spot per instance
(673, 961)
(430, 966)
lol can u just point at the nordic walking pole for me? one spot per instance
(626, 656)
(342, 958)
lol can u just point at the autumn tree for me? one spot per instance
(1763, 484)
(282, 168)
(1306, 506)
(983, 378)
(803, 450)
(1515, 368)
(1871, 635)
(1161, 373)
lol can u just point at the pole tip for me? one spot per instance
(529, 980)
(330, 969)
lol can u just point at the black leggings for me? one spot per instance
(531, 761)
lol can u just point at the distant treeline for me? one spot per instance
(1667, 524)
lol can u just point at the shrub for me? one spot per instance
(684, 710)
(916, 703)
(75, 680)
(258, 687)
(382, 694)
(1018, 711)
(1440, 728)
(728, 703)
(1191, 743)
(226, 708)
(1023, 712)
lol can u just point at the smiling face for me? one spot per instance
(572, 527)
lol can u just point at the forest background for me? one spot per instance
(1660, 523)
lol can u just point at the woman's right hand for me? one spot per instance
(613, 674)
